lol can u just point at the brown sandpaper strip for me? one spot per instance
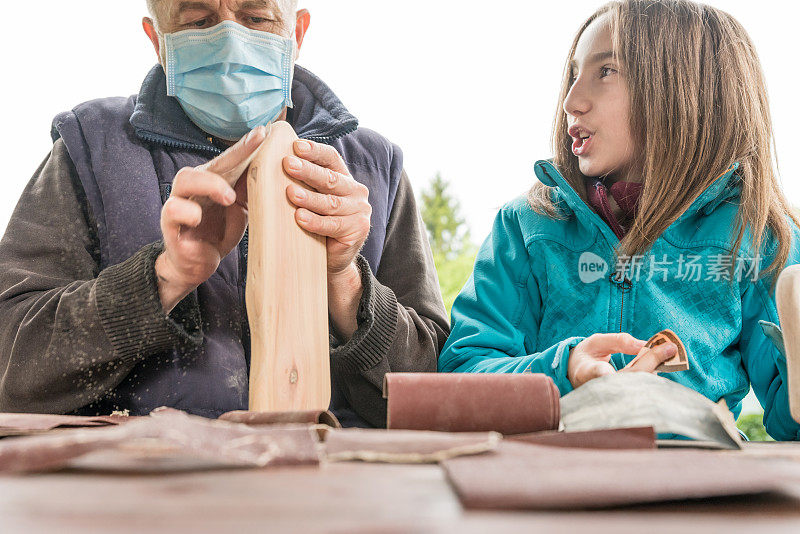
(532, 477)
(471, 402)
(13, 424)
(615, 438)
(272, 418)
(166, 434)
(405, 446)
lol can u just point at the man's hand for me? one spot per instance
(333, 205)
(591, 357)
(203, 220)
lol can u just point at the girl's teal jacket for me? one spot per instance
(541, 285)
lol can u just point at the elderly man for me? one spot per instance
(113, 296)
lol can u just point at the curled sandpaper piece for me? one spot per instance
(405, 446)
(313, 417)
(679, 362)
(166, 438)
(645, 399)
(613, 438)
(532, 477)
(19, 424)
(471, 402)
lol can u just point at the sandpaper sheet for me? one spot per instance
(613, 438)
(644, 399)
(405, 446)
(277, 418)
(532, 477)
(168, 437)
(471, 402)
(20, 424)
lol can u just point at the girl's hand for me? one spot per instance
(591, 357)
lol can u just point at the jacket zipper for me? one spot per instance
(625, 284)
(155, 138)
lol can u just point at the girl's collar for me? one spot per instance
(720, 190)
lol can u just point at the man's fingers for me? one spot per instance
(602, 344)
(181, 212)
(654, 357)
(198, 183)
(232, 163)
(323, 155)
(326, 204)
(322, 179)
(348, 230)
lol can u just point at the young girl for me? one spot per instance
(661, 209)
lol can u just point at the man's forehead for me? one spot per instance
(181, 5)
(173, 7)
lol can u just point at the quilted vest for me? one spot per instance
(126, 152)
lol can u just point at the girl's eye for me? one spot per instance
(605, 71)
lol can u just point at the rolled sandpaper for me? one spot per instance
(471, 402)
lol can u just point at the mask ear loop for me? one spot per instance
(294, 53)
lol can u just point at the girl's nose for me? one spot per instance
(577, 102)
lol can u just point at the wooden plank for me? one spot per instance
(287, 291)
(788, 302)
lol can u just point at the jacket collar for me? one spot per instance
(722, 189)
(318, 114)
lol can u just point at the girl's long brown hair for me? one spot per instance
(698, 104)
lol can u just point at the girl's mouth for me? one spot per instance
(581, 144)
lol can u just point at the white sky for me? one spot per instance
(467, 88)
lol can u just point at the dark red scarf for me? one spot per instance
(626, 194)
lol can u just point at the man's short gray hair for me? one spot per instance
(152, 8)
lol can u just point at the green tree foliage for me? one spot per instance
(453, 274)
(447, 230)
(453, 251)
(752, 425)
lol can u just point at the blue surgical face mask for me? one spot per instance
(228, 78)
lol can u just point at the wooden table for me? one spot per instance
(338, 497)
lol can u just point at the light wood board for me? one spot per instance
(788, 301)
(287, 300)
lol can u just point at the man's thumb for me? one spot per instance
(232, 163)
